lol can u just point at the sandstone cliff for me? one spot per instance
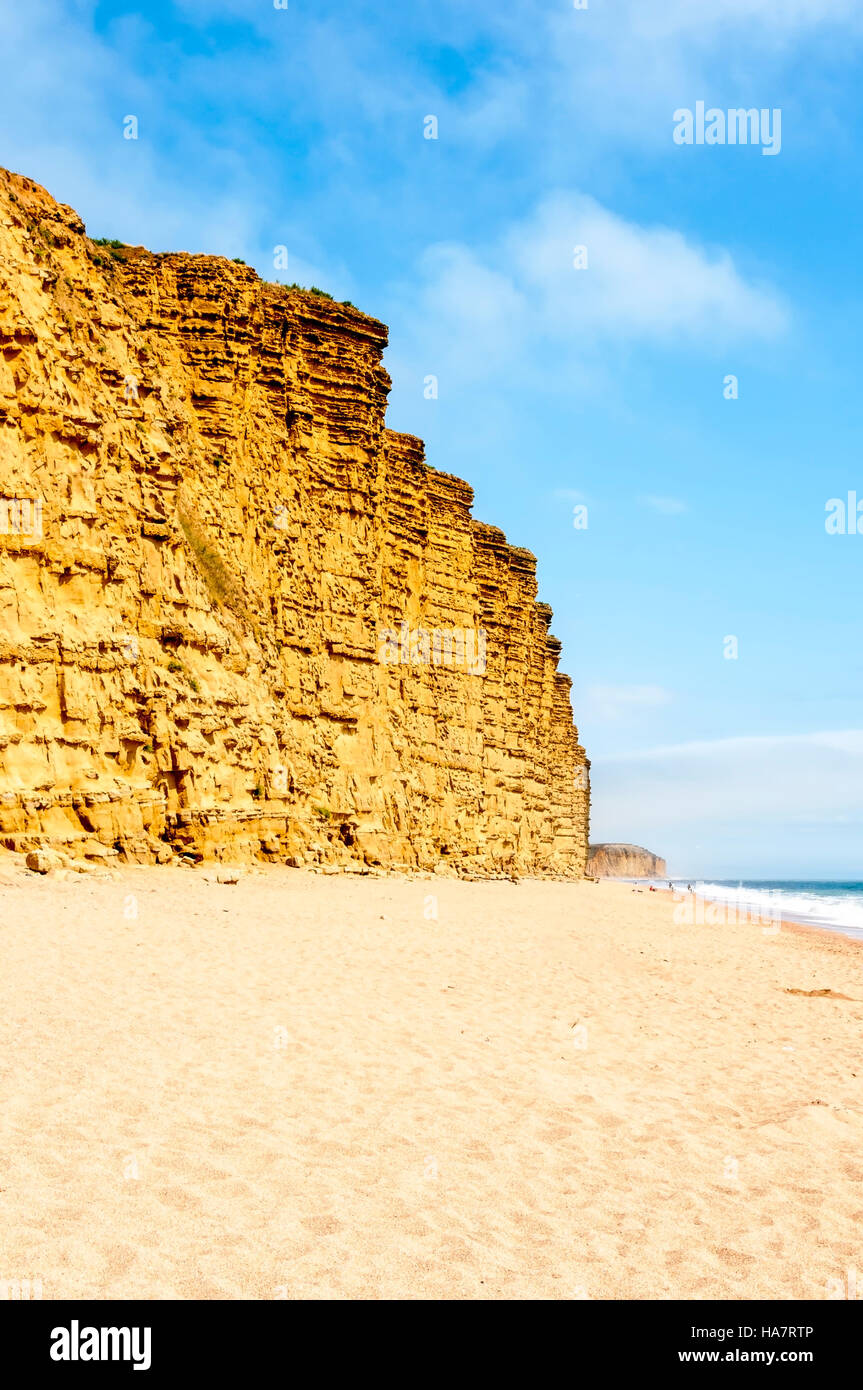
(624, 861)
(204, 528)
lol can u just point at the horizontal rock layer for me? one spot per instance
(207, 530)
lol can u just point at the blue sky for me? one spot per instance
(304, 127)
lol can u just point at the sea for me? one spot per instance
(835, 904)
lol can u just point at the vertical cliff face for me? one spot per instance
(240, 616)
(624, 861)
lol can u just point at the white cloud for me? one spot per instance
(666, 506)
(790, 803)
(711, 19)
(520, 301)
(844, 741)
(622, 70)
(640, 281)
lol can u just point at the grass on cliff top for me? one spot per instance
(304, 289)
(112, 244)
(313, 289)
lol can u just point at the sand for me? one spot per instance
(307, 1087)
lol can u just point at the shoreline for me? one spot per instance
(784, 923)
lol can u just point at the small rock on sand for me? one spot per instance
(43, 861)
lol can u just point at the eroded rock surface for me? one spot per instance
(206, 528)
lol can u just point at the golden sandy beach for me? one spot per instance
(305, 1086)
